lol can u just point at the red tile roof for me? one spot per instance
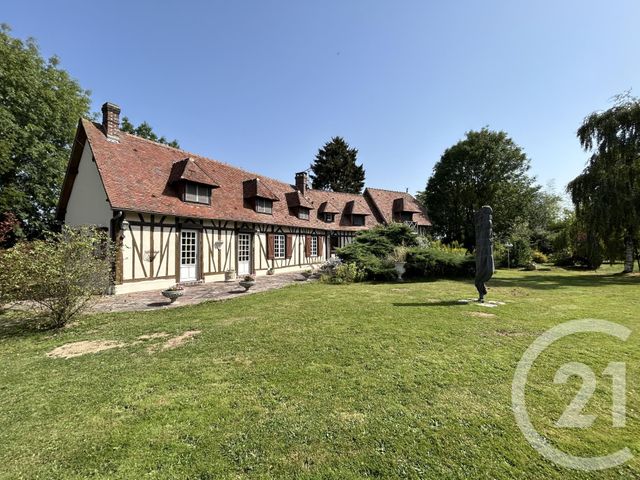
(190, 170)
(296, 199)
(385, 200)
(255, 188)
(328, 207)
(136, 175)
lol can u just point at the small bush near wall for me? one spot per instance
(343, 273)
(57, 277)
(438, 263)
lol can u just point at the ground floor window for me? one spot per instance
(279, 246)
(314, 246)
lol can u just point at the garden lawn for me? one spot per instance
(321, 381)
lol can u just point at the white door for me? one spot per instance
(244, 254)
(188, 255)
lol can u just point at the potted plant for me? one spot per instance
(247, 282)
(399, 258)
(229, 275)
(173, 293)
(271, 271)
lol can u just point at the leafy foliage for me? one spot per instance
(9, 226)
(371, 249)
(335, 168)
(486, 168)
(57, 276)
(40, 105)
(539, 257)
(145, 130)
(343, 273)
(438, 263)
(607, 193)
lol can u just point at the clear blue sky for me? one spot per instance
(263, 84)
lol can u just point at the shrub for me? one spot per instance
(520, 253)
(453, 247)
(58, 276)
(371, 249)
(563, 258)
(344, 273)
(438, 263)
(538, 257)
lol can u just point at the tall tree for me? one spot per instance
(607, 193)
(145, 130)
(335, 168)
(40, 105)
(486, 168)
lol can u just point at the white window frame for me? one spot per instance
(279, 246)
(303, 213)
(329, 217)
(200, 193)
(264, 205)
(314, 245)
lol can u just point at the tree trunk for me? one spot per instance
(628, 255)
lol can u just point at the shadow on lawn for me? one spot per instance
(18, 324)
(442, 303)
(550, 281)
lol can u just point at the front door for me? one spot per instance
(244, 253)
(188, 255)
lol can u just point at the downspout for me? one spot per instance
(116, 237)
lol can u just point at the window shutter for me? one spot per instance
(288, 246)
(307, 245)
(320, 246)
(270, 246)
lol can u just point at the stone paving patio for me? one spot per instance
(153, 299)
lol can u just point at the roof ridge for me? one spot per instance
(192, 154)
(331, 191)
(388, 190)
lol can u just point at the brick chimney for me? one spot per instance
(111, 121)
(301, 182)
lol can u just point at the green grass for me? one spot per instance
(321, 381)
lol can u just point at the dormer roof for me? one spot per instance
(189, 169)
(255, 188)
(296, 199)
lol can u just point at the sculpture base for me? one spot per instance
(484, 303)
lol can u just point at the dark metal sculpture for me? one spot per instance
(484, 249)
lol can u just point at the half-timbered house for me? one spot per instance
(180, 218)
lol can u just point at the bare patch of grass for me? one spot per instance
(77, 349)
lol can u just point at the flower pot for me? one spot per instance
(247, 284)
(229, 275)
(400, 269)
(172, 295)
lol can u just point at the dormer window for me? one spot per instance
(196, 193)
(264, 205)
(303, 213)
(329, 217)
(192, 180)
(258, 196)
(406, 216)
(357, 220)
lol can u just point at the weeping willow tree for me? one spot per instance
(607, 193)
